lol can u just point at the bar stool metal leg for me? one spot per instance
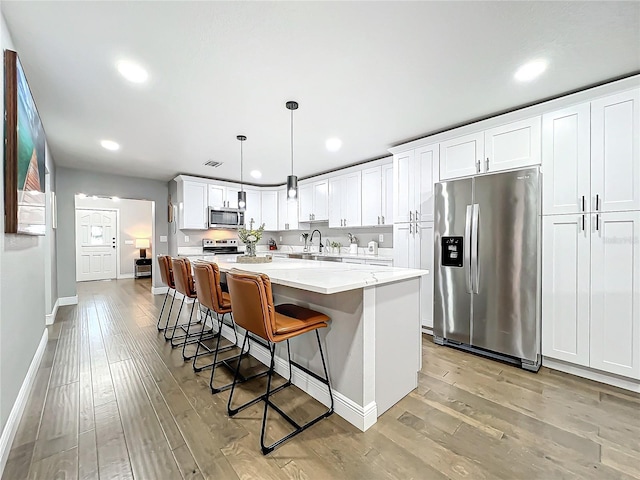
(162, 310)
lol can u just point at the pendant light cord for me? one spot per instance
(291, 142)
(241, 167)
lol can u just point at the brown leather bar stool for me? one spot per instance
(253, 310)
(166, 274)
(211, 296)
(186, 286)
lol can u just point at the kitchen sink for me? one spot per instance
(314, 256)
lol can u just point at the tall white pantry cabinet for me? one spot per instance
(591, 234)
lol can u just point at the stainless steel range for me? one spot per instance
(219, 247)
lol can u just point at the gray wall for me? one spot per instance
(22, 289)
(71, 181)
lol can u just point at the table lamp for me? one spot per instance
(143, 244)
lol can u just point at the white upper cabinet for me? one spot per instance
(615, 293)
(269, 209)
(462, 156)
(513, 145)
(253, 208)
(217, 196)
(377, 195)
(287, 211)
(345, 200)
(192, 205)
(386, 217)
(222, 196)
(565, 287)
(414, 174)
(615, 155)
(566, 161)
(313, 199)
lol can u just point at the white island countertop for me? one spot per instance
(323, 277)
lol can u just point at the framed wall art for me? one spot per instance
(24, 155)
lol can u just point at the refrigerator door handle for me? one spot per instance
(475, 274)
(467, 248)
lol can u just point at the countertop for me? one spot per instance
(199, 252)
(324, 277)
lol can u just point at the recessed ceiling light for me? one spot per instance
(333, 144)
(132, 71)
(531, 70)
(256, 173)
(110, 145)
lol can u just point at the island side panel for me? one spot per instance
(398, 341)
(342, 341)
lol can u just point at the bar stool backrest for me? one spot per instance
(207, 276)
(166, 272)
(182, 276)
(252, 302)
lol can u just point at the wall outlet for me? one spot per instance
(381, 238)
(186, 238)
(163, 239)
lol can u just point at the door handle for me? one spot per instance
(345, 222)
(410, 228)
(583, 222)
(487, 164)
(583, 203)
(417, 216)
(382, 219)
(475, 270)
(410, 216)
(467, 248)
(478, 166)
(597, 202)
(378, 220)
(597, 222)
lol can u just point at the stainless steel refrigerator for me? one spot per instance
(487, 265)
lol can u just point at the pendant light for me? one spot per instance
(242, 195)
(292, 180)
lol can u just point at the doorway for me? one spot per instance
(96, 245)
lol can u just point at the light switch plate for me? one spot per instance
(186, 238)
(163, 239)
(128, 242)
(280, 237)
(381, 238)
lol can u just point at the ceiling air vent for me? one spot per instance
(213, 164)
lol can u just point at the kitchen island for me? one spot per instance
(373, 342)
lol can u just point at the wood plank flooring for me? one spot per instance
(112, 400)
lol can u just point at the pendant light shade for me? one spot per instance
(242, 195)
(292, 180)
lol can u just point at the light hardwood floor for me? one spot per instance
(113, 401)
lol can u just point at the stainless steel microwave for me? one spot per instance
(225, 217)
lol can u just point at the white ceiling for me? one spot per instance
(374, 74)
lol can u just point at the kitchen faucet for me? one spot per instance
(311, 239)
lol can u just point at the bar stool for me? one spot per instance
(166, 274)
(253, 310)
(210, 295)
(186, 286)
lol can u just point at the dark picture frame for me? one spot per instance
(24, 155)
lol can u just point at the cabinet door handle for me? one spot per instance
(345, 222)
(382, 219)
(597, 202)
(583, 221)
(597, 222)
(410, 228)
(478, 166)
(583, 204)
(378, 219)
(417, 216)
(410, 216)
(487, 164)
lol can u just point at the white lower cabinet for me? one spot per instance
(591, 291)
(413, 248)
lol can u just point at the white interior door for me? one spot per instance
(96, 252)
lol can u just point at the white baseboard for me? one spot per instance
(159, 290)
(427, 330)
(49, 318)
(63, 301)
(11, 427)
(358, 416)
(122, 276)
(591, 374)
